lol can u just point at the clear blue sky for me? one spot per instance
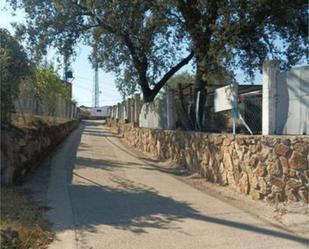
(82, 70)
(83, 73)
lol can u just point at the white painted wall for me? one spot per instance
(293, 101)
(158, 114)
(285, 100)
(99, 111)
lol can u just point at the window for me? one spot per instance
(99, 110)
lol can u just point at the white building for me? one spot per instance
(99, 112)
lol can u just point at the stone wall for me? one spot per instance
(274, 168)
(22, 149)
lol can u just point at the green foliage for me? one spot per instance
(15, 68)
(137, 39)
(144, 42)
(183, 78)
(127, 84)
(243, 34)
(219, 78)
(48, 88)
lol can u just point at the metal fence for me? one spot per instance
(175, 109)
(280, 105)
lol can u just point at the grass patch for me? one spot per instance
(28, 120)
(23, 215)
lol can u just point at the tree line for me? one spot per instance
(22, 77)
(145, 42)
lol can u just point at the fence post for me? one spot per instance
(137, 107)
(128, 107)
(169, 107)
(269, 103)
(119, 111)
(132, 110)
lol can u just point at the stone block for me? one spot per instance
(253, 181)
(279, 196)
(264, 189)
(277, 181)
(240, 140)
(293, 184)
(292, 196)
(292, 173)
(301, 148)
(231, 180)
(304, 194)
(228, 163)
(240, 154)
(260, 170)
(253, 161)
(285, 165)
(243, 183)
(306, 174)
(227, 141)
(282, 149)
(255, 148)
(298, 161)
(218, 140)
(274, 168)
(303, 178)
(263, 155)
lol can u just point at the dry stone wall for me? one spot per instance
(22, 149)
(274, 168)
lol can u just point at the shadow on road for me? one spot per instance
(133, 206)
(110, 165)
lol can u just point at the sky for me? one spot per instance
(83, 73)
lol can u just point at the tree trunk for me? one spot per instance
(200, 94)
(148, 95)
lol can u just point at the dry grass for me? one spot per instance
(36, 120)
(21, 213)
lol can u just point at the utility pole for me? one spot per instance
(95, 94)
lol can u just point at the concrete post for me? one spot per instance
(170, 112)
(269, 81)
(137, 107)
(118, 117)
(128, 105)
(132, 110)
(115, 111)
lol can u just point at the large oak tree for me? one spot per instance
(242, 34)
(136, 39)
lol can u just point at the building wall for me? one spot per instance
(159, 114)
(285, 100)
(293, 101)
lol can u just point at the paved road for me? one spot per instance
(103, 196)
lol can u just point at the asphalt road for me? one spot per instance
(103, 196)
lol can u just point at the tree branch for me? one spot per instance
(101, 23)
(170, 73)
